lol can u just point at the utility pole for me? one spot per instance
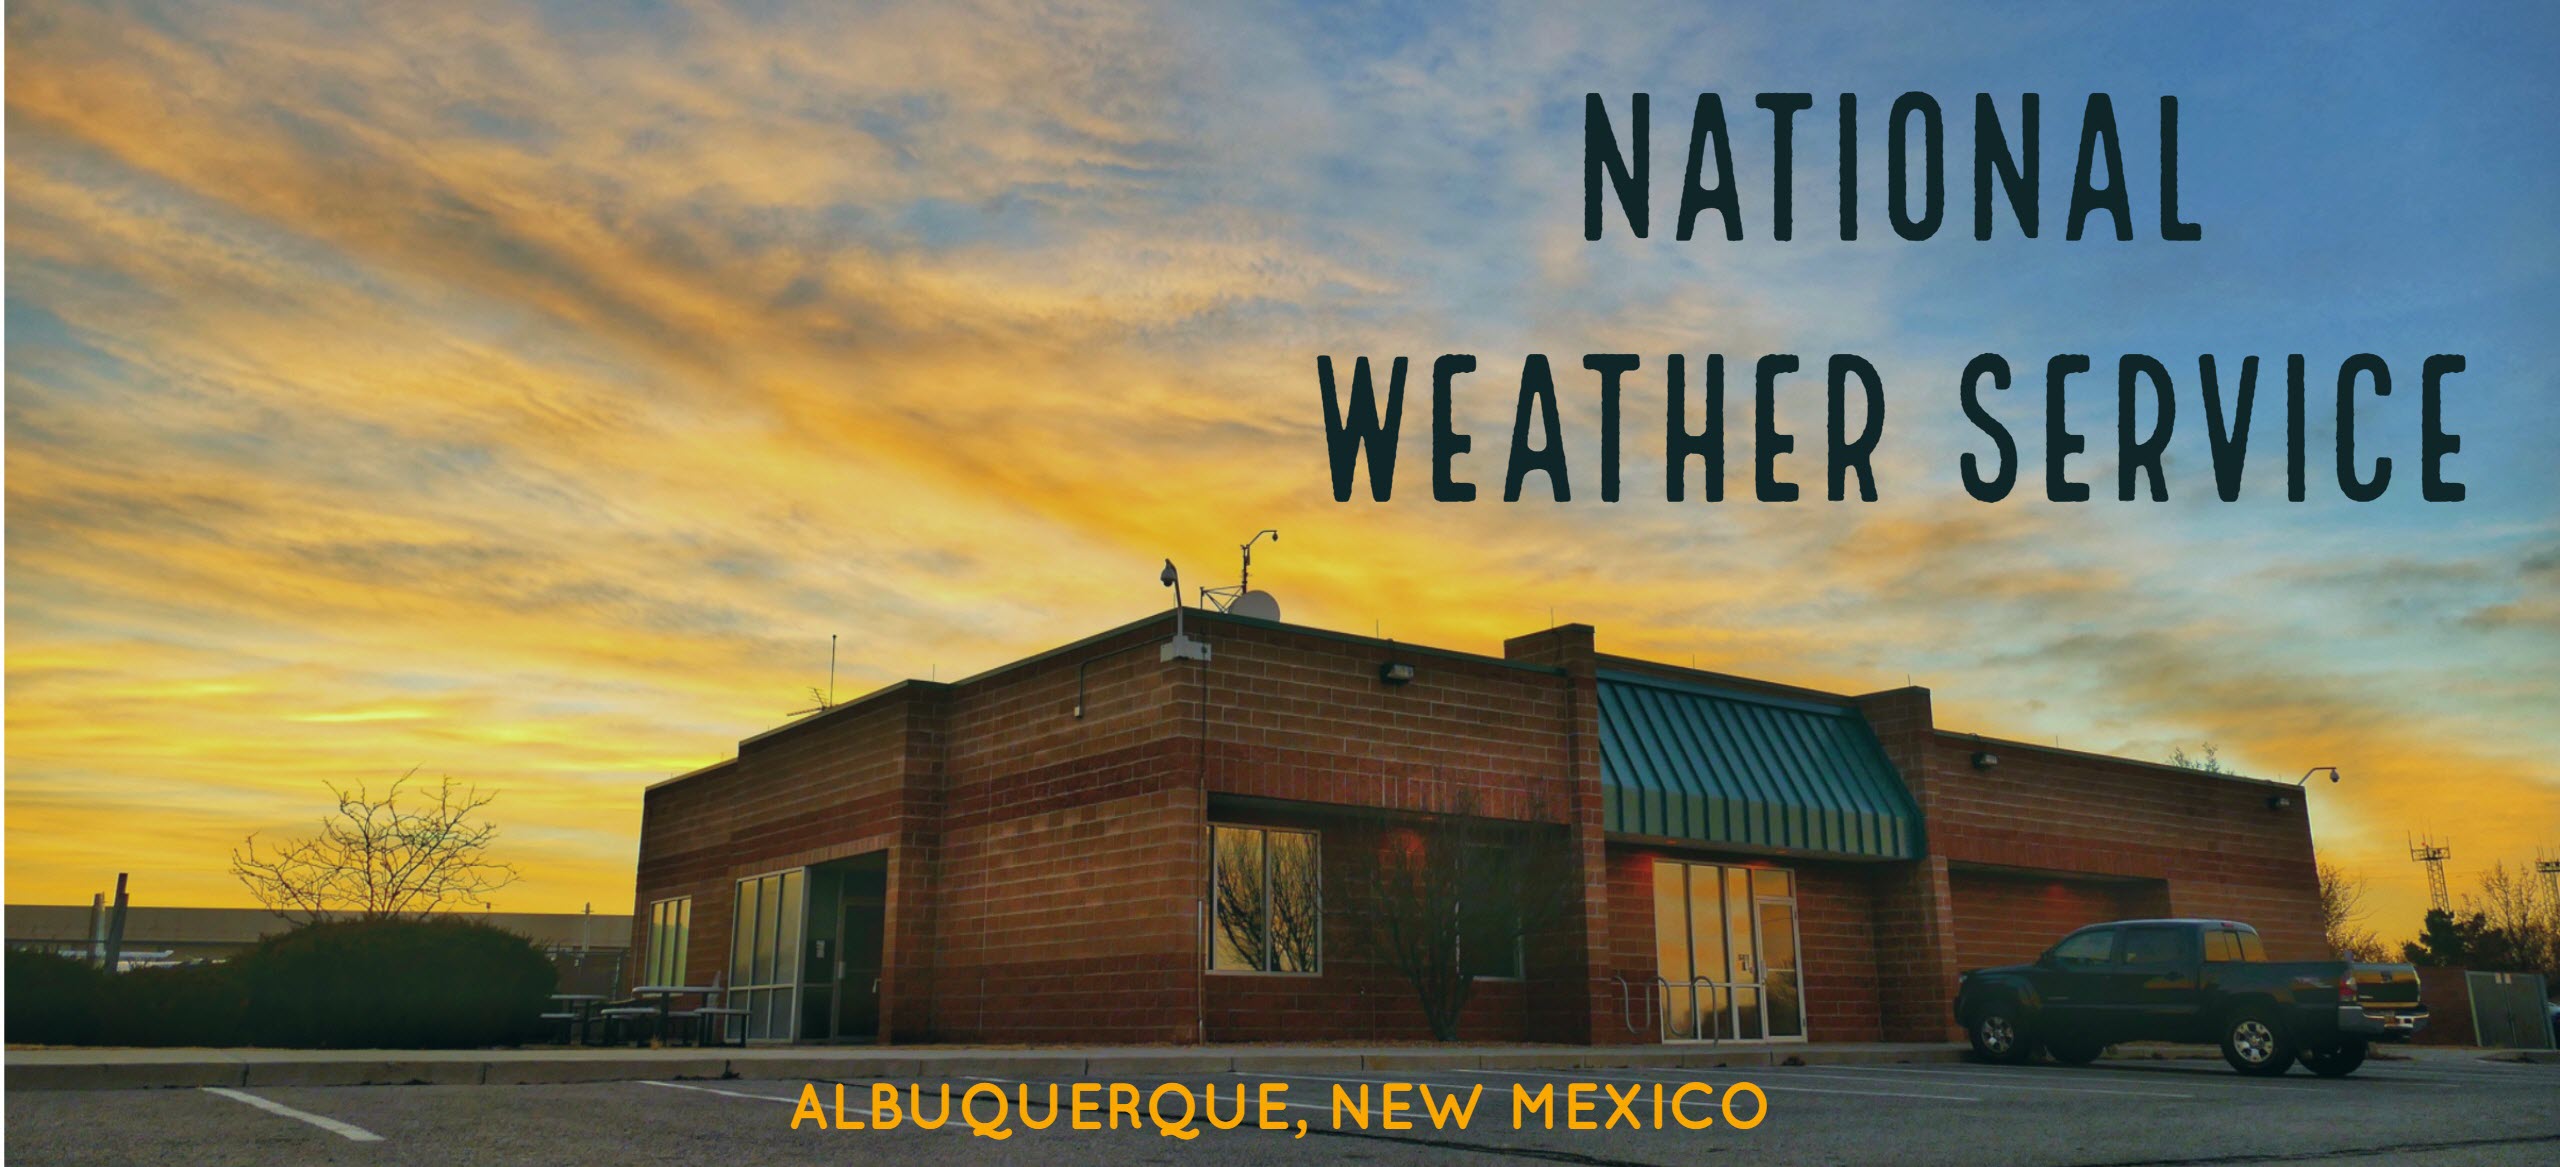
(2550, 869)
(115, 928)
(2426, 850)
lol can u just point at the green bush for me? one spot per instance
(189, 1004)
(395, 984)
(55, 1000)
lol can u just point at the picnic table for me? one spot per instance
(577, 1015)
(665, 995)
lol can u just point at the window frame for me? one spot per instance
(2114, 937)
(781, 938)
(2187, 940)
(670, 941)
(1213, 939)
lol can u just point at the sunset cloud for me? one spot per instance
(527, 392)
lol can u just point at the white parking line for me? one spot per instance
(331, 1125)
(724, 1093)
(1762, 1083)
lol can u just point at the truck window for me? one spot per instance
(2231, 944)
(2165, 945)
(2086, 948)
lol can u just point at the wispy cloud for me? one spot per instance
(526, 392)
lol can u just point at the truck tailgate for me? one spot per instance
(2386, 985)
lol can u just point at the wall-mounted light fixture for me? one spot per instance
(1395, 672)
(1985, 759)
(2282, 801)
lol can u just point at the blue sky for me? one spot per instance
(528, 392)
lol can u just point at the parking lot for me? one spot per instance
(2155, 1113)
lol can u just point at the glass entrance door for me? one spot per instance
(1726, 949)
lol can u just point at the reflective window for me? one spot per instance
(1726, 951)
(1267, 900)
(2157, 946)
(670, 935)
(2250, 947)
(2093, 947)
(764, 953)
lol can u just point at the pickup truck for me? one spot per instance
(2203, 981)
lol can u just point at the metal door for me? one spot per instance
(2508, 1010)
(857, 971)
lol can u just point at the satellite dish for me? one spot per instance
(1258, 605)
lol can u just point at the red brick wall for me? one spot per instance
(1356, 995)
(830, 789)
(2446, 992)
(1069, 850)
(2011, 919)
(2213, 841)
(1046, 870)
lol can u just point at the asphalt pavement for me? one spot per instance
(2435, 1111)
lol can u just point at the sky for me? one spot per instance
(526, 393)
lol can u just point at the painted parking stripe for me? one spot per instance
(331, 1125)
(1759, 1082)
(794, 1101)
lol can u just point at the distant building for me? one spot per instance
(588, 949)
(1028, 854)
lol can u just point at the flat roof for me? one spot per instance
(1749, 688)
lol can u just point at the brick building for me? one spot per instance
(1029, 854)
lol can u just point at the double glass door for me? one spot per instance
(1725, 940)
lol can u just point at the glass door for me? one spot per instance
(1774, 901)
(764, 954)
(1727, 954)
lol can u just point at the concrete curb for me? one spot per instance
(261, 1069)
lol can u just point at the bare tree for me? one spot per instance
(2208, 759)
(2342, 914)
(378, 858)
(1427, 887)
(2519, 921)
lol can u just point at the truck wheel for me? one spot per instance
(2254, 1042)
(2335, 1063)
(2074, 1051)
(1998, 1035)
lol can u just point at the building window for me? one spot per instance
(1489, 942)
(670, 935)
(1268, 901)
(1489, 934)
(1727, 952)
(764, 954)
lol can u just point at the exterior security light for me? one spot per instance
(1985, 759)
(2279, 801)
(1395, 672)
(1181, 647)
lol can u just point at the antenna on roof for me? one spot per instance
(1242, 600)
(825, 700)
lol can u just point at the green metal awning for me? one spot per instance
(1689, 762)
